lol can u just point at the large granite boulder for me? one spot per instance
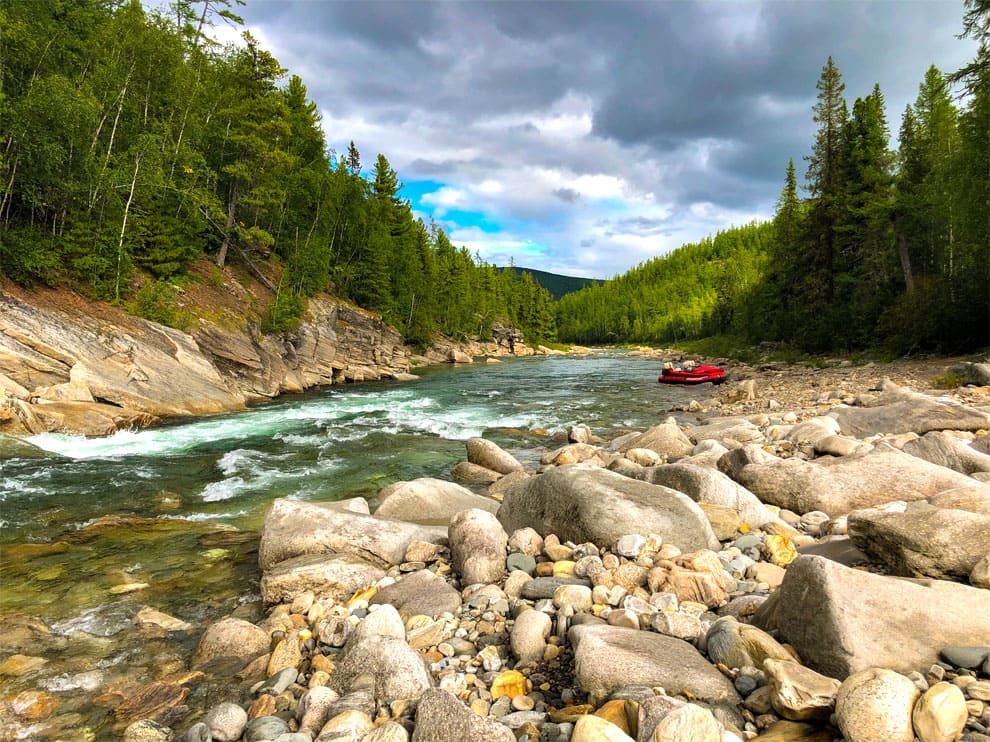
(838, 486)
(843, 620)
(706, 485)
(583, 504)
(948, 450)
(490, 455)
(429, 500)
(923, 541)
(610, 657)
(666, 439)
(294, 528)
(900, 410)
(336, 575)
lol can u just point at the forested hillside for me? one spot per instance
(558, 285)
(132, 145)
(887, 249)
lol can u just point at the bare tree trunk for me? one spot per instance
(123, 228)
(228, 226)
(905, 257)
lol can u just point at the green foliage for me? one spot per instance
(133, 145)
(948, 380)
(284, 314)
(157, 301)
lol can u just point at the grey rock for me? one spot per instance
(226, 722)
(608, 657)
(940, 543)
(706, 485)
(337, 575)
(666, 439)
(441, 717)
(965, 656)
(977, 374)
(488, 454)
(198, 732)
(736, 644)
(428, 500)
(903, 411)
(948, 450)
(231, 637)
(582, 504)
(420, 593)
(840, 485)
(295, 527)
(278, 682)
(843, 620)
(522, 562)
(729, 431)
(478, 546)
(397, 670)
(265, 728)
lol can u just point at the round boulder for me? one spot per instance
(875, 705)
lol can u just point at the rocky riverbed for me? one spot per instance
(802, 556)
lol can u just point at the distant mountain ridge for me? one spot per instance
(556, 284)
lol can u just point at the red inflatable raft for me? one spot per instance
(695, 375)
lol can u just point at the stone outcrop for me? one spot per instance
(840, 485)
(96, 369)
(581, 503)
(843, 620)
(900, 410)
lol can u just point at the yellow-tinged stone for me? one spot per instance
(592, 728)
(745, 528)
(215, 553)
(779, 550)
(509, 683)
(19, 552)
(417, 622)
(21, 664)
(130, 587)
(367, 594)
(34, 704)
(563, 568)
(570, 714)
(624, 714)
(480, 706)
(545, 687)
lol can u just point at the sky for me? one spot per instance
(584, 138)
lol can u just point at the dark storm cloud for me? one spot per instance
(687, 103)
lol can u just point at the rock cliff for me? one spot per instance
(69, 365)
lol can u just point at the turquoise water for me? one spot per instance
(177, 493)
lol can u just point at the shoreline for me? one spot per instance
(780, 394)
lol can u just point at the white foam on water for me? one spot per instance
(205, 517)
(225, 489)
(104, 620)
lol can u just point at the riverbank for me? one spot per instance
(829, 430)
(71, 365)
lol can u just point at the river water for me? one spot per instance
(92, 530)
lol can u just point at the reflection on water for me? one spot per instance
(97, 529)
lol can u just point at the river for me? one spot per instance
(92, 530)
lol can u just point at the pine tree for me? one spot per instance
(825, 179)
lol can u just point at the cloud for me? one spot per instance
(587, 137)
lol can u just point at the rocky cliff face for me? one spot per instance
(68, 365)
